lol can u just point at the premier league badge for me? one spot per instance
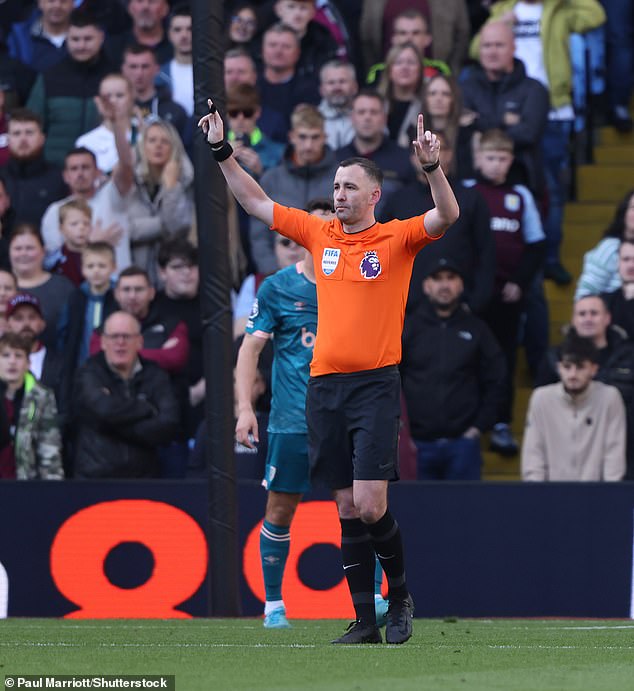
(370, 266)
(329, 260)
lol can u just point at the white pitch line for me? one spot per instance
(31, 644)
(561, 647)
(590, 628)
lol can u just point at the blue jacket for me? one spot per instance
(27, 44)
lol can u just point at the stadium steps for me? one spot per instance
(600, 187)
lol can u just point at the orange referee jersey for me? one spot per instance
(362, 284)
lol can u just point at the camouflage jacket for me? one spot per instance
(37, 441)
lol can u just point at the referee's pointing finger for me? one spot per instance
(421, 127)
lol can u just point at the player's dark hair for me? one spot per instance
(370, 167)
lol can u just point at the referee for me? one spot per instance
(362, 271)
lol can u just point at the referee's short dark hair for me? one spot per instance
(577, 349)
(370, 167)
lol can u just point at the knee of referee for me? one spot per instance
(370, 499)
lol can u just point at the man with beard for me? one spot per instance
(29, 179)
(575, 430)
(24, 317)
(452, 373)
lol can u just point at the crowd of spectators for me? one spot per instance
(101, 362)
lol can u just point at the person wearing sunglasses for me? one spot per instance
(254, 150)
(242, 29)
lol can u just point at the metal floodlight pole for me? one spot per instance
(215, 286)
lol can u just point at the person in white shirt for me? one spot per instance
(114, 88)
(179, 70)
(108, 198)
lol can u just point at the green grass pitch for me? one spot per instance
(238, 654)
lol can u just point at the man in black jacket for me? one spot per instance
(124, 407)
(29, 179)
(453, 374)
(64, 93)
(469, 243)
(620, 302)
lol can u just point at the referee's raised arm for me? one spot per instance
(245, 189)
(446, 210)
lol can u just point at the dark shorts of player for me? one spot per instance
(287, 468)
(353, 426)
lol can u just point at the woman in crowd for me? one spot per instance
(402, 84)
(242, 28)
(443, 111)
(162, 203)
(600, 273)
(26, 252)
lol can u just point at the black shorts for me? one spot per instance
(353, 426)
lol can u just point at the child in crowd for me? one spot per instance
(75, 223)
(89, 306)
(30, 438)
(520, 246)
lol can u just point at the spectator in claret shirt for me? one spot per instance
(165, 340)
(520, 244)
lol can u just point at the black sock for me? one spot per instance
(388, 545)
(358, 566)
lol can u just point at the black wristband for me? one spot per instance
(432, 166)
(222, 154)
